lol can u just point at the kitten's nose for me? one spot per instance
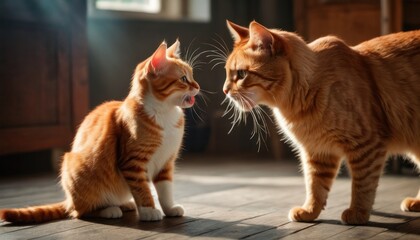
(225, 90)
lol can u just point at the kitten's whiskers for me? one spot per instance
(197, 110)
(192, 57)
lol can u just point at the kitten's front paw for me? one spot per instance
(299, 214)
(149, 214)
(410, 205)
(355, 216)
(174, 211)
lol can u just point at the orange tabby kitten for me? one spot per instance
(333, 101)
(121, 146)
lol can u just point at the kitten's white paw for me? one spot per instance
(150, 214)
(175, 211)
(110, 212)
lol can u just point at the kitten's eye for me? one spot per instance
(184, 79)
(241, 74)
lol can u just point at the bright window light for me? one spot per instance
(147, 6)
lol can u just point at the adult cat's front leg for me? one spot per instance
(164, 187)
(320, 171)
(366, 167)
(411, 204)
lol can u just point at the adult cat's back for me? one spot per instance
(394, 63)
(384, 72)
(402, 44)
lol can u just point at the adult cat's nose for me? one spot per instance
(227, 87)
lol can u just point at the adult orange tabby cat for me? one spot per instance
(333, 101)
(121, 146)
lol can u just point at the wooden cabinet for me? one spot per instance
(354, 21)
(43, 73)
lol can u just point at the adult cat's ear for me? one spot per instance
(260, 38)
(174, 51)
(238, 32)
(158, 60)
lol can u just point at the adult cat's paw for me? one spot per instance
(110, 212)
(174, 211)
(355, 216)
(150, 214)
(410, 205)
(299, 214)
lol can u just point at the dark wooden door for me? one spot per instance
(43, 73)
(352, 20)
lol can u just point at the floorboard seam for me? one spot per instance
(232, 223)
(51, 234)
(250, 235)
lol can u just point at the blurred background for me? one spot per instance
(61, 58)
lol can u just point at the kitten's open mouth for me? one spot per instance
(189, 100)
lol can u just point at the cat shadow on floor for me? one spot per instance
(130, 226)
(390, 221)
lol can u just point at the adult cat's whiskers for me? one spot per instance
(236, 115)
(229, 107)
(259, 123)
(243, 101)
(219, 54)
(223, 46)
(217, 57)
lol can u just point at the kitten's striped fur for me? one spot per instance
(333, 102)
(121, 147)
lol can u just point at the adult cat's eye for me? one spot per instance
(241, 74)
(184, 79)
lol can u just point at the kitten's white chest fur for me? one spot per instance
(171, 140)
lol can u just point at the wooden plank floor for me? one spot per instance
(225, 200)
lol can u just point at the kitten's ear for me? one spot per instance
(260, 38)
(158, 60)
(174, 50)
(238, 32)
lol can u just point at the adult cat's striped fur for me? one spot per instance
(121, 146)
(333, 101)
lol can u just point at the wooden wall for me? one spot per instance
(354, 20)
(43, 73)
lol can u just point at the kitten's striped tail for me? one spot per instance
(36, 214)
